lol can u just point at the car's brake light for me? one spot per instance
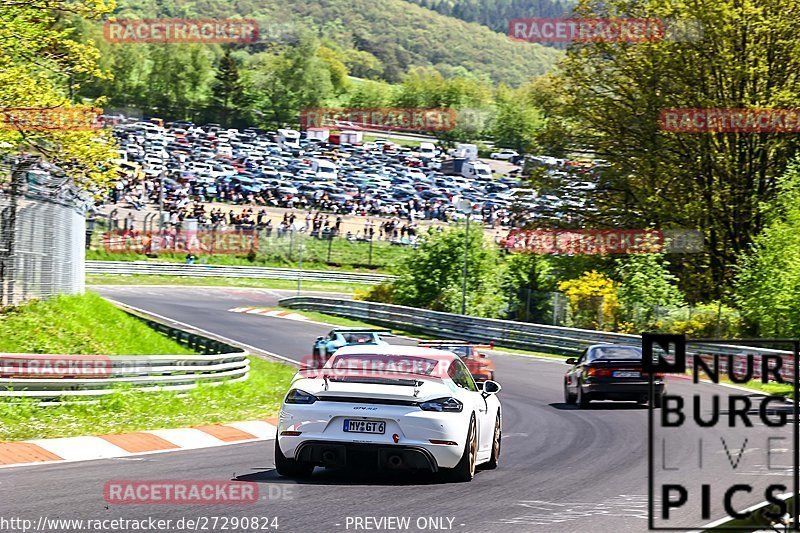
(290, 433)
(298, 396)
(445, 442)
(598, 372)
(450, 405)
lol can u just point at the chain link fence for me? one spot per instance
(42, 232)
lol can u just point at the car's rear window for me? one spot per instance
(616, 352)
(359, 338)
(461, 351)
(385, 363)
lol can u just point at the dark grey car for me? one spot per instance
(610, 372)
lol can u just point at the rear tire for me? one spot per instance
(494, 460)
(465, 469)
(316, 357)
(583, 398)
(658, 401)
(289, 467)
(569, 398)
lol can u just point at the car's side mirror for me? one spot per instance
(571, 361)
(320, 339)
(491, 387)
(481, 354)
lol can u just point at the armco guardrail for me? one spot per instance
(152, 268)
(22, 375)
(522, 335)
(51, 376)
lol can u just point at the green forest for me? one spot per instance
(496, 14)
(330, 53)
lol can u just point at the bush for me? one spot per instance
(593, 302)
(382, 293)
(646, 285)
(703, 321)
(431, 277)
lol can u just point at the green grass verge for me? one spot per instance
(283, 253)
(347, 322)
(331, 319)
(84, 324)
(777, 389)
(115, 279)
(87, 324)
(257, 398)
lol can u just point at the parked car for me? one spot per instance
(505, 154)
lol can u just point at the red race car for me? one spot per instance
(479, 365)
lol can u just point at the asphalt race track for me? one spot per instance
(561, 469)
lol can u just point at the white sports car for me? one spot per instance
(392, 407)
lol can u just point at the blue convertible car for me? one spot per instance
(325, 346)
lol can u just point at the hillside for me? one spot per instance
(496, 14)
(415, 37)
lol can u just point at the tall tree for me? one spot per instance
(42, 64)
(284, 85)
(228, 89)
(746, 56)
(178, 79)
(517, 122)
(767, 285)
